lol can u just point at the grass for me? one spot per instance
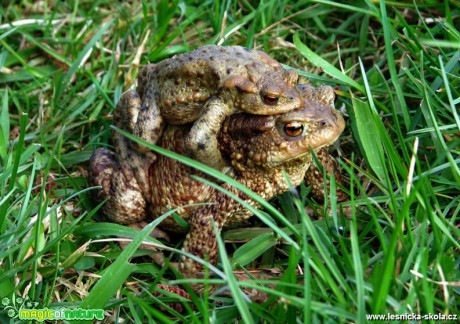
(63, 67)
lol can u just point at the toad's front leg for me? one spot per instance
(205, 224)
(132, 116)
(145, 120)
(201, 241)
(314, 177)
(202, 142)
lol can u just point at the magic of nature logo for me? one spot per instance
(25, 309)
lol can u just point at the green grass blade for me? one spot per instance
(326, 66)
(82, 54)
(387, 35)
(449, 91)
(237, 294)
(359, 274)
(116, 273)
(17, 158)
(4, 128)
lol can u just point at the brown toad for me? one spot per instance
(205, 86)
(256, 148)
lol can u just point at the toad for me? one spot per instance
(255, 148)
(204, 87)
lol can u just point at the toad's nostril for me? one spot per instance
(329, 121)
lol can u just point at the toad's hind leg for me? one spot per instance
(126, 204)
(202, 142)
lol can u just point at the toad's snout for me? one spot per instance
(328, 121)
(333, 120)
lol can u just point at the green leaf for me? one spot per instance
(253, 249)
(369, 135)
(84, 264)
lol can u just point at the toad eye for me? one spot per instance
(270, 99)
(293, 129)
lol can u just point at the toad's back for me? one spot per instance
(182, 84)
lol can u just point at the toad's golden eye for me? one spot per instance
(270, 99)
(293, 129)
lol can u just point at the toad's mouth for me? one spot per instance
(332, 141)
(307, 151)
